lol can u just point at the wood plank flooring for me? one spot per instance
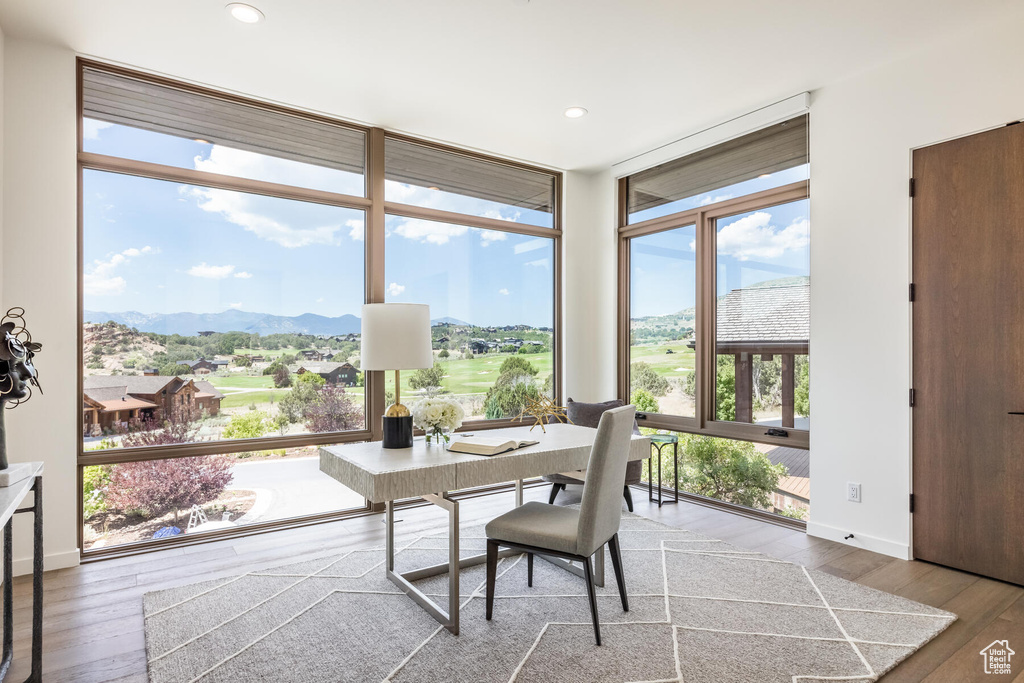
(93, 617)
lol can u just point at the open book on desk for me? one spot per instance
(478, 445)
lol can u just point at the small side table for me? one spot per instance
(659, 441)
(10, 498)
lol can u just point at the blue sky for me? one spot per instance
(161, 247)
(752, 247)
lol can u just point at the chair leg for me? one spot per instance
(589, 578)
(529, 569)
(554, 492)
(492, 573)
(620, 578)
(628, 496)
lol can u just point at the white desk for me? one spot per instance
(432, 472)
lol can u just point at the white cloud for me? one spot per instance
(243, 275)
(488, 236)
(394, 289)
(356, 229)
(503, 291)
(320, 300)
(240, 209)
(91, 128)
(235, 306)
(99, 278)
(754, 236)
(429, 231)
(708, 199)
(211, 272)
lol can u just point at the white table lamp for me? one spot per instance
(396, 337)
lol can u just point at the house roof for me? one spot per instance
(133, 384)
(193, 363)
(774, 314)
(324, 368)
(115, 398)
(797, 483)
(206, 389)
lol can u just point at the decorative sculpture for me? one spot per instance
(543, 410)
(17, 373)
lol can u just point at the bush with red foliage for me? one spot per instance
(333, 411)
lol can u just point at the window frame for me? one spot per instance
(375, 210)
(704, 218)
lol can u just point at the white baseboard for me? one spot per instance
(872, 543)
(70, 558)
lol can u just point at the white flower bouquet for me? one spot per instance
(437, 416)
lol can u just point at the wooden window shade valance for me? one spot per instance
(769, 150)
(151, 106)
(425, 166)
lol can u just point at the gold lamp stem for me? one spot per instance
(398, 389)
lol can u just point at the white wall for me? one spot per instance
(40, 274)
(862, 134)
(589, 287)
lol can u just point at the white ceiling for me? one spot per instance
(497, 74)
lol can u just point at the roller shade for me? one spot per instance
(423, 166)
(162, 109)
(769, 150)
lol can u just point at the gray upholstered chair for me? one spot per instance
(588, 415)
(569, 533)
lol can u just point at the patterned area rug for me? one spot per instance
(700, 610)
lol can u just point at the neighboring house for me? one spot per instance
(150, 372)
(340, 374)
(479, 346)
(312, 354)
(113, 401)
(201, 366)
(764, 321)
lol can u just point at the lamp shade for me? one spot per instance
(396, 337)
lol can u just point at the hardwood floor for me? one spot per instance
(93, 617)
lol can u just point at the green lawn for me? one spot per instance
(243, 382)
(677, 364)
(246, 398)
(476, 376)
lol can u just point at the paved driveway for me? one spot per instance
(290, 488)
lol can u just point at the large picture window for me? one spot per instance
(227, 247)
(715, 308)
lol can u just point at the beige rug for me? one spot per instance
(700, 610)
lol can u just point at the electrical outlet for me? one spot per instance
(853, 492)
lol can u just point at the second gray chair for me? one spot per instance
(568, 533)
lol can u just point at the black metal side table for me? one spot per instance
(10, 498)
(659, 441)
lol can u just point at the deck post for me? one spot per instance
(788, 390)
(744, 387)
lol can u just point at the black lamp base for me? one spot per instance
(397, 432)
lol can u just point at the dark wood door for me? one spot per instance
(968, 255)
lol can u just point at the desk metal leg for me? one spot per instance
(36, 676)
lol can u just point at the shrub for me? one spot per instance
(250, 425)
(802, 395)
(513, 368)
(333, 411)
(282, 378)
(94, 484)
(310, 379)
(644, 376)
(508, 400)
(428, 378)
(508, 348)
(733, 471)
(468, 355)
(274, 367)
(531, 348)
(443, 354)
(179, 427)
(644, 401)
(152, 487)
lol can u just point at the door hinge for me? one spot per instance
(911, 502)
(912, 398)
(913, 291)
(911, 187)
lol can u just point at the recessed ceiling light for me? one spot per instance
(765, 175)
(432, 187)
(247, 14)
(575, 112)
(202, 141)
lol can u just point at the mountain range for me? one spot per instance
(189, 324)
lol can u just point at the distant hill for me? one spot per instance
(447, 320)
(189, 324)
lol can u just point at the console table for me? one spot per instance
(432, 473)
(10, 498)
